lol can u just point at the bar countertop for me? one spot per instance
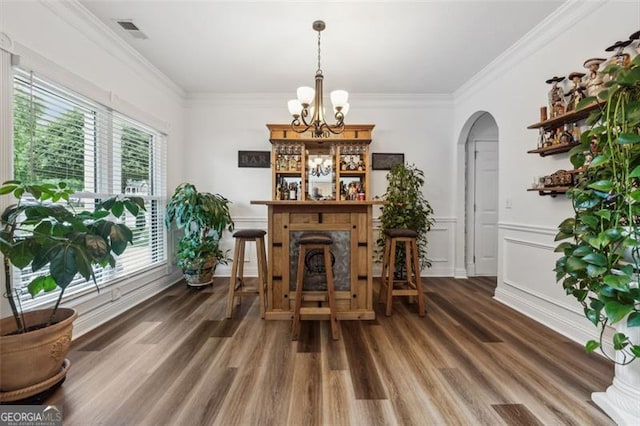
(317, 203)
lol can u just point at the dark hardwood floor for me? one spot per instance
(175, 360)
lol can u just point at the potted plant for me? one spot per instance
(601, 258)
(45, 231)
(406, 207)
(203, 217)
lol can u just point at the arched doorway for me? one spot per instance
(478, 197)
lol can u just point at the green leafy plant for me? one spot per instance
(44, 228)
(406, 207)
(203, 217)
(600, 263)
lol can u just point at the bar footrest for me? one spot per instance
(315, 310)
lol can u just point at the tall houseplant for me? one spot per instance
(601, 258)
(45, 231)
(203, 217)
(406, 207)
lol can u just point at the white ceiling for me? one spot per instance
(386, 47)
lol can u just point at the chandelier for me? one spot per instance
(320, 167)
(308, 110)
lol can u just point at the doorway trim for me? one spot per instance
(460, 267)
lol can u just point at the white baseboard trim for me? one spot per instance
(460, 273)
(93, 318)
(572, 325)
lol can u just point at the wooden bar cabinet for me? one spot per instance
(321, 184)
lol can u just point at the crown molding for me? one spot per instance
(83, 20)
(244, 100)
(406, 100)
(6, 43)
(565, 16)
(279, 100)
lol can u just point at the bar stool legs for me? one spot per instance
(314, 242)
(236, 281)
(412, 285)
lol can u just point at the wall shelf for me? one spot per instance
(569, 117)
(551, 190)
(554, 149)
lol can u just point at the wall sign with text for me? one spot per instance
(384, 161)
(259, 159)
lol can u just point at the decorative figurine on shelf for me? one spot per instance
(620, 58)
(541, 138)
(635, 37)
(566, 137)
(576, 94)
(594, 82)
(548, 139)
(556, 97)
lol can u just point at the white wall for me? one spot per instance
(420, 127)
(513, 89)
(62, 41)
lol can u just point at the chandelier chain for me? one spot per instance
(319, 69)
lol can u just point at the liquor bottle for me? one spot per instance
(292, 191)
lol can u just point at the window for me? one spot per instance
(62, 136)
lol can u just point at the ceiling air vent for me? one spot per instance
(131, 28)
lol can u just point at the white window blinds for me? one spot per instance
(62, 136)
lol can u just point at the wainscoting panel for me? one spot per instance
(527, 283)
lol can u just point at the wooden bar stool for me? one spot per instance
(236, 282)
(409, 287)
(315, 241)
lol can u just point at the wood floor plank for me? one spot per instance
(366, 382)
(550, 360)
(176, 360)
(470, 396)
(120, 326)
(544, 387)
(481, 332)
(178, 392)
(306, 403)
(375, 412)
(205, 401)
(403, 388)
(337, 392)
(516, 415)
(309, 338)
(333, 350)
(276, 382)
(250, 365)
(144, 397)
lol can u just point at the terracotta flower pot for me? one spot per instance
(34, 361)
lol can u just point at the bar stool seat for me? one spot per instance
(411, 286)
(315, 241)
(236, 281)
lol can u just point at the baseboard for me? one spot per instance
(93, 318)
(460, 273)
(570, 324)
